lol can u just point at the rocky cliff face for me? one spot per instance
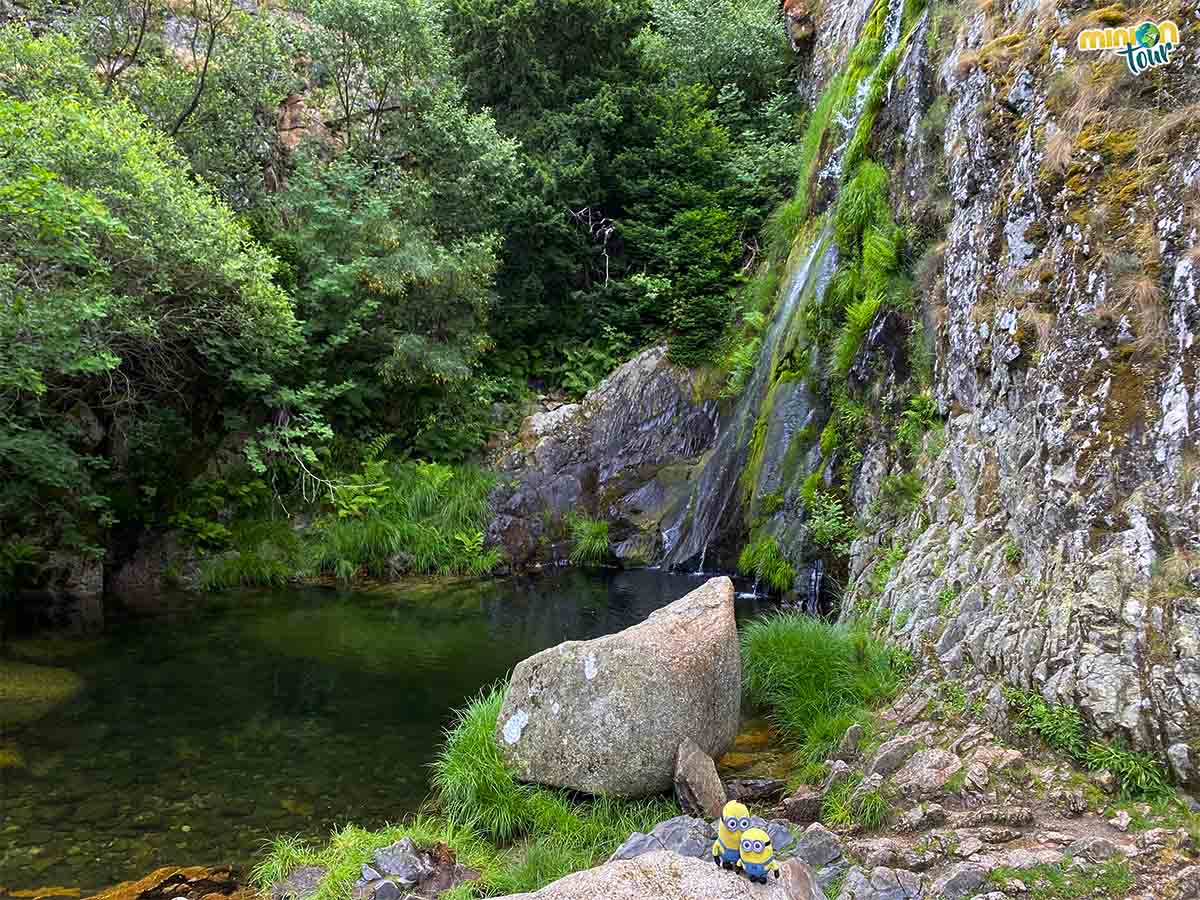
(1048, 529)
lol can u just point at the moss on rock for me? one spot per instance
(28, 692)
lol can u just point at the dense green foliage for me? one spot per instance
(815, 678)
(763, 560)
(268, 237)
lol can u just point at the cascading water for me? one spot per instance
(847, 119)
(710, 511)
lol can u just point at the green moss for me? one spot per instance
(763, 560)
(28, 692)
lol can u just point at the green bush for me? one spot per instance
(815, 678)
(589, 540)
(859, 316)
(919, 416)
(764, 561)
(900, 493)
(829, 525)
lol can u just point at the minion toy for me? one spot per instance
(726, 849)
(757, 857)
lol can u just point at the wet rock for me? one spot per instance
(881, 883)
(578, 716)
(926, 774)
(960, 881)
(419, 871)
(622, 446)
(369, 874)
(804, 806)
(818, 846)
(684, 835)
(697, 786)
(196, 882)
(755, 790)
(405, 861)
(668, 876)
(892, 755)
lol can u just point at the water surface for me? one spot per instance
(206, 725)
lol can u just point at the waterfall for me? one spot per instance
(847, 120)
(715, 499)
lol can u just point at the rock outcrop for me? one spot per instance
(624, 454)
(663, 875)
(608, 715)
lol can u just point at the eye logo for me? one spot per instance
(1142, 46)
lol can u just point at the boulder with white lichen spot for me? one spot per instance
(608, 715)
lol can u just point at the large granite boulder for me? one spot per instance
(667, 876)
(608, 715)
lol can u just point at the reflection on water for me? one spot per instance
(208, 725)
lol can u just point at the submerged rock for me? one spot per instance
(608, 715)
(668, 876)
(183, 883)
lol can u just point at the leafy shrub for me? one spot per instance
(589, 540)
(763, 560)
(900, 493)
(920, 415)
(1012, 552)
(829, 525)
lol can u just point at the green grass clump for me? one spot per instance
(476, 790)
(764, 560)
(589, 540)
(829, 525)
(1062, 881)
(859, 316)
(422, 518)
(350, 847)
(1062, 728)
(869, 810)
(816, 678)
(267, 553)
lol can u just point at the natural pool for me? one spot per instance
(206, 725)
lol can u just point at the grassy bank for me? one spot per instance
(382, 520)
(817, 679)
(520, 837)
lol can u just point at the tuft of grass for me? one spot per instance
(859, 316)
(763, 559)
(589, 540)
(1063, 881)
(845, 806)
(268, 553)
(1012, 553)
(816, 678)
(1063, 729)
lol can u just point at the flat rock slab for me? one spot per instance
(608, 715)
(667, 876)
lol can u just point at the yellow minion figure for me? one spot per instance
(757, 855)
(726, 849)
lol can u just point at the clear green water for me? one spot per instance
(206, 726)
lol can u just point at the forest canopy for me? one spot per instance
(291, 233)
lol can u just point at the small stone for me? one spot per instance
(755, 790)
(996, 758)
(960, 881)
(925, 775)
(804, 806)
(1105, 780)
(1093, 848)
(684, 835)
(387, 890)
(404, 862)
(892, 755)
(921, 818)
(697, 785)
(1121, 821)
(968, 847)
(369, 874)
(848, 746)
(818, 846)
